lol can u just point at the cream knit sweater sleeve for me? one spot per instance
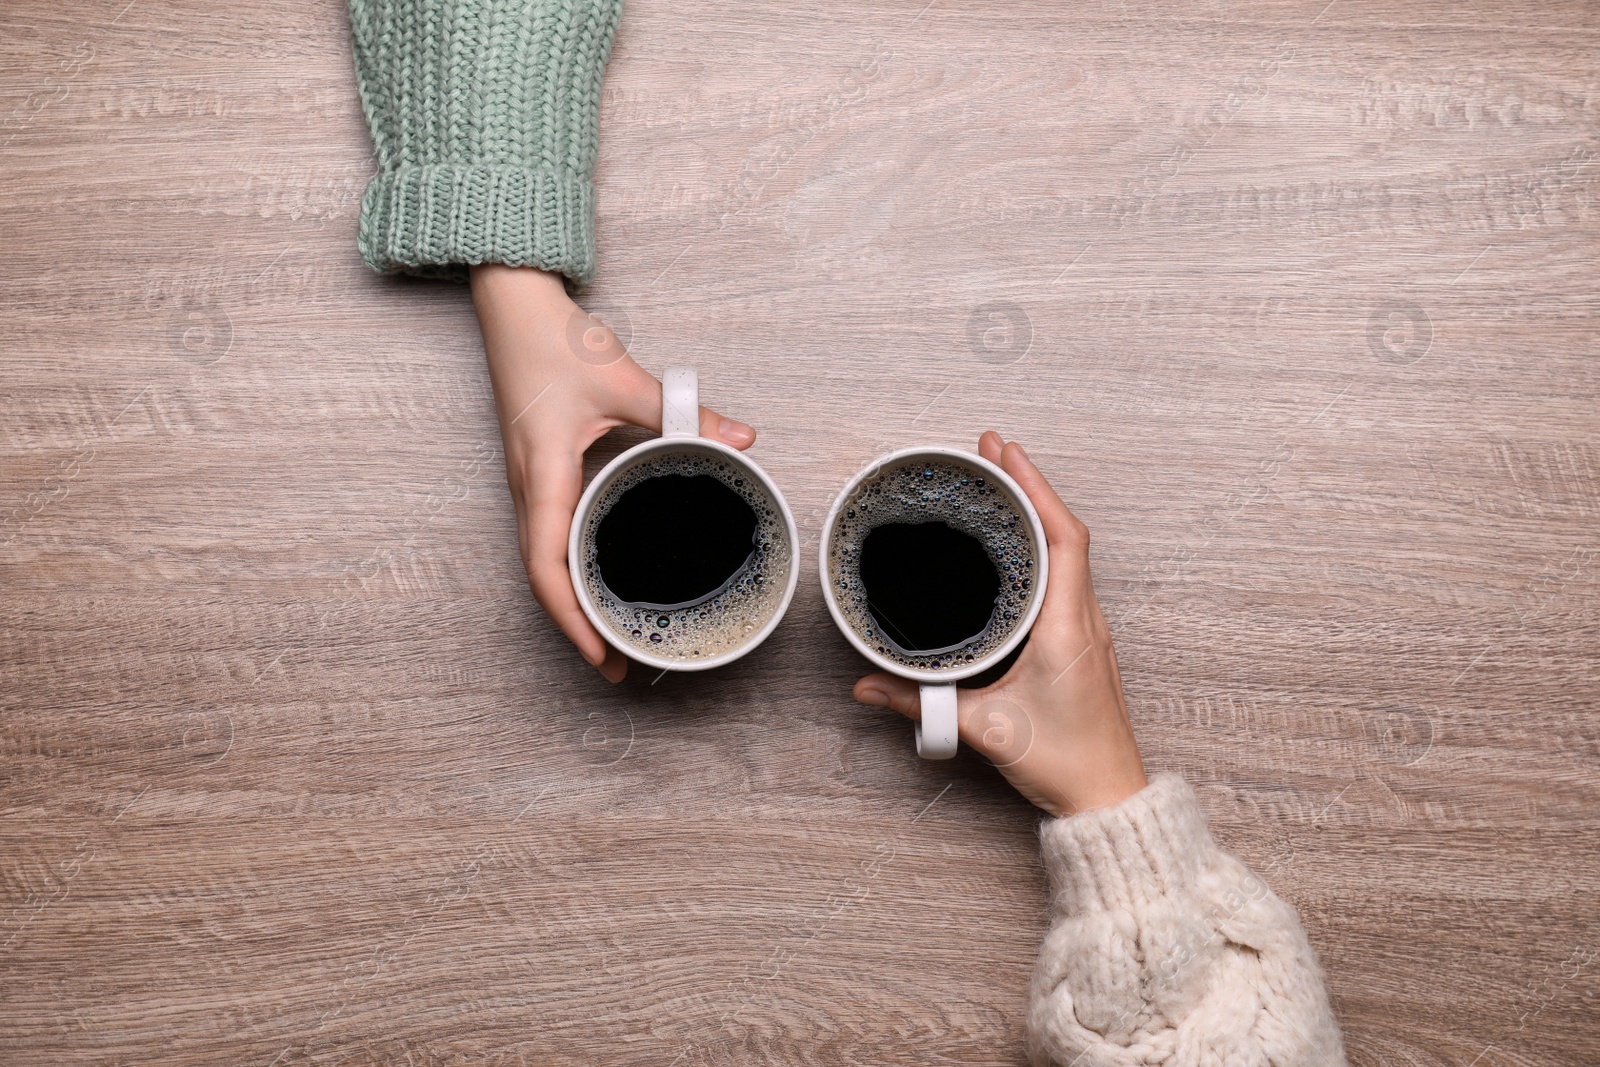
(1163, 949)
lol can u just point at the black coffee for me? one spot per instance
(904, 567)
(685, 555)
(674, 541)
(930, 588)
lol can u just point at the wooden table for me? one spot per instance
(1295, 302)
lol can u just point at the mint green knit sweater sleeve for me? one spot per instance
(483, 115)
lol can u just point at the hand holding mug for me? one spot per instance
(561, 381)
(1056, 725)
(933, 565)
(682, 548)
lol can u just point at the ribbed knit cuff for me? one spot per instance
(434, 220)
(1146, 847)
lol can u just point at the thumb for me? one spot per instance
(638, 400)
(728, 431)
(885, 690)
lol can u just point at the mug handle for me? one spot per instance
(680, 402)
(938, 733)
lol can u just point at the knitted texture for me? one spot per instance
(484, 116)
(1163, 949)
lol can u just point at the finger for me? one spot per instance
(999, 729)
(1070, 592)
(615, 666)
(551, 498)
(890, 691)
(1061, 527)
(990, 445)
(638, 401)
(729, 431)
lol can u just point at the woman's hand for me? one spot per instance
(561, 380)
(1056, 725)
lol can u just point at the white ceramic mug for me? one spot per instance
(938, 734)
(680, 434)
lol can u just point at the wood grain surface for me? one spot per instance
(1295, 301)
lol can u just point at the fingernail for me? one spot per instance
(874, 696)
(735, 432)
(592, 659)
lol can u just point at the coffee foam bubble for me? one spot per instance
(934, 490)
(725, 622)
